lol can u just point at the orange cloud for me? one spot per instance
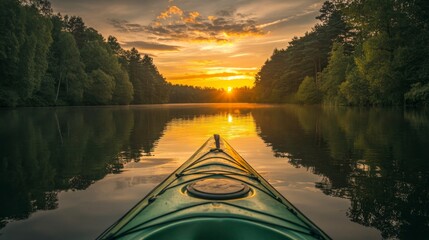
(202, 76)
(204, 62)
(144, 46)
(219, 73)
(215, 82)
(173, 10)
(191, 18)
(174, 24)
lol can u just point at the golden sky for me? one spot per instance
(216, 43)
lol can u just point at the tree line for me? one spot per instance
(362, 52)
(47, 59)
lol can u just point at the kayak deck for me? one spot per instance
(216, 194)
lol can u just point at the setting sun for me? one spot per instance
(229, 89)
(217, 45)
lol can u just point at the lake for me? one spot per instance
(358, 173)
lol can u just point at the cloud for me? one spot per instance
(173, 10)
(151, 46)
(176, 24)
(124, 26)
(226, 13)
(204, 62)
(240, 55)
(219, 75)
(286, 19)
(203, 75)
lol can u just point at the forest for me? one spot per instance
(47, 59)
(361, 52)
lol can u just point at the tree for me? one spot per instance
(97, 57)
(281, 76)
(115, 46)
(334, 74)
(42, 6)
(308, 92)
(355, 89)
(392, 36)
(76, 26)
(154, 86)
(24, 44)
(134, 70)
(375, 67)
(267, 77)
(418, 94)
(123, 93)
(70, 70)
(100, 89)
(12, 33)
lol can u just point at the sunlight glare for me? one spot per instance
(229, 118)
(229, 89)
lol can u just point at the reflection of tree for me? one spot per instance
(44, 151)
(377, 158)
(148, 128)
(281, 128)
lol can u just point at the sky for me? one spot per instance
(207, 43)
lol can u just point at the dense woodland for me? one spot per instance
(48, 60)
(362, 52)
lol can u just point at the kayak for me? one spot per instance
(215, 194)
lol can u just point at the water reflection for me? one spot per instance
(375, 158)
(45, 151)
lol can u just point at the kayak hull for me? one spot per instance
(216, 194)
(214, 228)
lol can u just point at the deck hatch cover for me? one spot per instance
(218, 189)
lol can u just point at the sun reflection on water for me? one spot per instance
(229, 118)
(230, 124)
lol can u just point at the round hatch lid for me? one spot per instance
(218, 189)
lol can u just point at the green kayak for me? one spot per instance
(216, 194)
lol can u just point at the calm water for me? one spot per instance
(68, 173)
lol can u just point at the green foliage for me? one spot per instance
(34, 52)
(47, 59)
(418, 93)
(100, 88)
(334, 74)
(381, 52)
(76, 26)
(308, 91)
(148, 84)
(380, 57)
(375, 66)
(355, 89)
(281, 75)
(97, 56)
(123, 93)
(267, 77)
(134, 71)
(154, 86)
(25, 38)
(12, 31)
(393, 53)
(70, 74)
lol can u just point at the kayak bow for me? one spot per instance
(216, 194)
